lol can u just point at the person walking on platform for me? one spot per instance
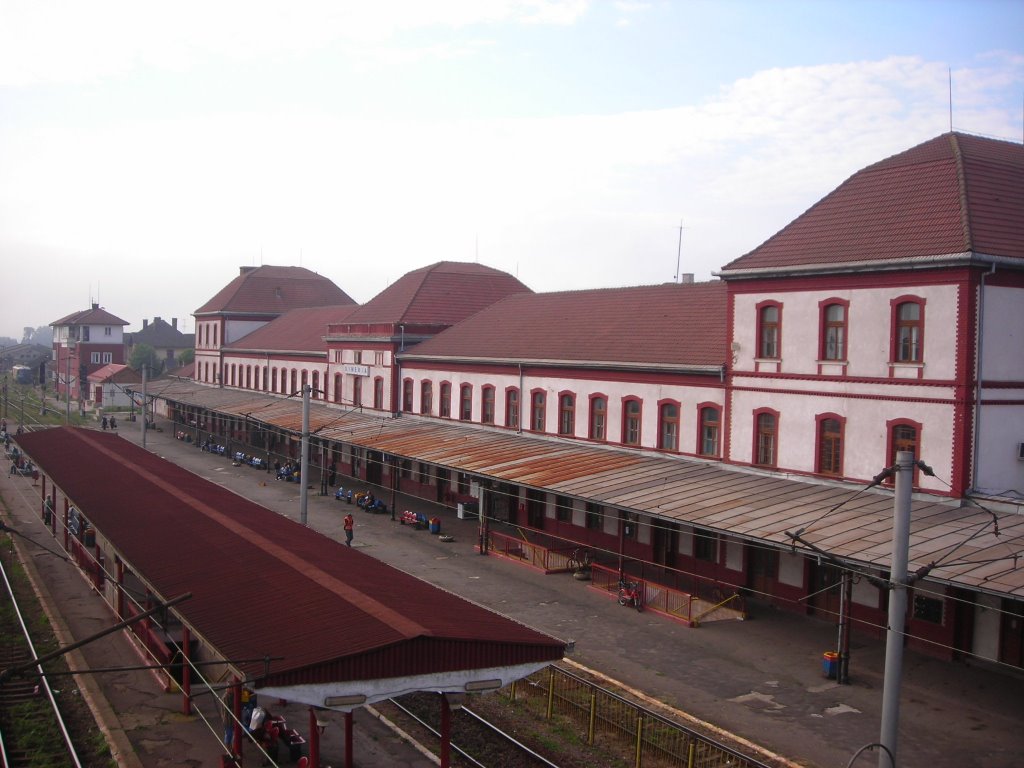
(349, 524)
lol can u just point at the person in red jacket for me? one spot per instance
(348, 525)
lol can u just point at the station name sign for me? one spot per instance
(357, 370)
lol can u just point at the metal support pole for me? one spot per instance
(446, 732)
(348, 740)
(145, 415)
(304, 461)
(897, 609)
(186, 671)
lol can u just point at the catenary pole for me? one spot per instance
(897, 609)
(145, 368)
(304, 461)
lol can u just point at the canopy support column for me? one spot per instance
(348, 740)
(186, 671)
(446, 732)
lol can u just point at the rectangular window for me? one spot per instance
(766, 436)
(357, 357)
(768, 336)
(830, 447)
(563, 509)
(106, 331)
(908, 332)
(709, 424)
(631, 423)
(108, 357)
(512, 408)
(378, 358)
(462, 483)
(487, 406)
(929, 609)
(595, 516)
(424, 472)
(598, 415)
(95, 357)
(705, 546)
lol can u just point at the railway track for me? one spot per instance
(475, 741)
(40, 724)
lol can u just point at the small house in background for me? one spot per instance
(107, 387)
(165, 339)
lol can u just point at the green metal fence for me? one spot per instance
(652, 740)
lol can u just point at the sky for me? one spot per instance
(148, 150)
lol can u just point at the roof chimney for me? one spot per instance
(145, 323)
(95, 305)
(246, 270)
(686, 278)
(156, 319)
(174, 323)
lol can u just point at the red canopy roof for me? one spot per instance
(263, 585)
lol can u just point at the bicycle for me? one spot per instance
(580, 559)
(631, 593)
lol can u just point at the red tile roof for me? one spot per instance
(274, 290)
(440, 294)
(952, 195)
(666, 324)
(94, 316)
(115, 372)
(298, 330)
(262, 584)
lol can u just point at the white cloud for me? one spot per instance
(56, 41)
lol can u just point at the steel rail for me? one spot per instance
(43, 681)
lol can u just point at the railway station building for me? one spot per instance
(682, 432)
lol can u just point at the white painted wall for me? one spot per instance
(614, 392)
(791, 569)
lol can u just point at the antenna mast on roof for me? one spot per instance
(949, 70)
(679, 252)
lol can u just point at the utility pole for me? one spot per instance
(304, 461)
(145, 416)
(898, 578)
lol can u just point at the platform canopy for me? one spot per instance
(342, 628)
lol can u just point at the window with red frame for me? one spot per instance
(466, 402)
(446, 400)
(426, 397)
(567, 414)
(537, 412)
(668, 427)
(769, 320)
(598, 418)
(631, 413)
(378, 393)
(357, 390)
(487, 405)
(710, 423)
(833, 338)
(830, 447)
(909, 327)
(512, 408)
(407, 395)
(767, 436)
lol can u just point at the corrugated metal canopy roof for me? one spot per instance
(726, 499)
(263, 585)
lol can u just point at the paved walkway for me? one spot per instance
(760, 679)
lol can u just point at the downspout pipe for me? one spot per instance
(522, 402)
(975, 441)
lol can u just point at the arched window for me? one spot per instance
(512, 408)
(357, 391)
(487, 405)
(446, 400)
(833, 330)
(632, 413)
(710, 423)
(567, 414)
(538, 416)
(668, 426)
(904, 435)
(295, 381)
(316, 385)
(407, 395)
(426, 397)
(830, 445)
(598, 428)
(378, 393)
(908, 330)
(466, 402)
(769, 329)
(339, 391)
(766, 436)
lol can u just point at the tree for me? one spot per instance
(186, 357)
(143, 354)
